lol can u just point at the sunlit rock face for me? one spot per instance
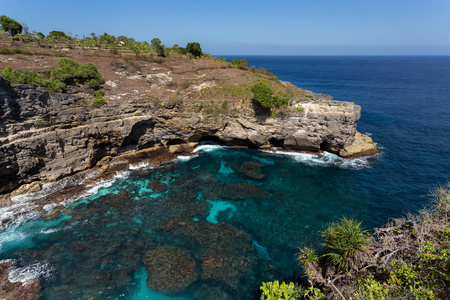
(46, 136)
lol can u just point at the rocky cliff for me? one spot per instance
(46, 136)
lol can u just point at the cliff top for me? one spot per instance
(131, 77)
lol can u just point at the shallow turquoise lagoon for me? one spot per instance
(241, 214)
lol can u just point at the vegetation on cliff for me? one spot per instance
(10, 25)
(408, 258)
(69, 73)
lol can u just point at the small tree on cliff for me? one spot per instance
(10, 25)
(156, 44)
(194, 49)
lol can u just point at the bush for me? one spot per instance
(342, 240)
(276, 291)
(194, 49)
(10, 25)
(263, 94)
(106, 39)
(307, 256)
(72, 72)
(24, 77)
(58, 35)
(156, 44)
(57, 80)
(281, 102)
(241, 64)
(99, 93)
(99, 101)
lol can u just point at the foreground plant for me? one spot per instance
(408, 258)
(342, 240)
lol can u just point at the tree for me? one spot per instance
(106, 39)
(10, 25)
(194, 49)
(156, 43)
(58, 35)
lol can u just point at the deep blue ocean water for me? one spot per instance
(240, 229)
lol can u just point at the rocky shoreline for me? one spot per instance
(47, 136)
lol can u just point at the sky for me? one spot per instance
(254, 27)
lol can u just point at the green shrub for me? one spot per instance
(54, 85)
(58, 35)
(263, 94)
(13, 51)
(70, 72)
(342, 240)
(241, 64)
(106, 39)
(276, 291)
(194, 49)
(281, 102)
(156, 44)
(99, 101)
(24, 77)
(10, 25)
(99, 93)
(307, 256)
(114, 51)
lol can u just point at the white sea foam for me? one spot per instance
(11, 234)
(29, 273)
(326, 159)
(48, 231)
(208, 148)
(103, 184)
(184, 158)
(140, 166)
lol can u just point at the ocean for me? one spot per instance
(238, 216)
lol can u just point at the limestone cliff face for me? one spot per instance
(46, 136)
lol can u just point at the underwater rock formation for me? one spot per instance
(170, 270)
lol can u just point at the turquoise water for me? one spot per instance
(253, 224)
(241, 214)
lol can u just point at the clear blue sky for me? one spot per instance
(289, 27)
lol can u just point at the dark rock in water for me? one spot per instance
(236, 191)
(17, 290)
(158, 186)
(170, 270)
(144, 172)
(103, 277)
(226, 253)
(168, 226)
(202, 235)
(167, 178)
(231, 269)
(118, 201)
(253, 170)
(52, 216)
(79, 247)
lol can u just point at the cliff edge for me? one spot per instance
(45, 136)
